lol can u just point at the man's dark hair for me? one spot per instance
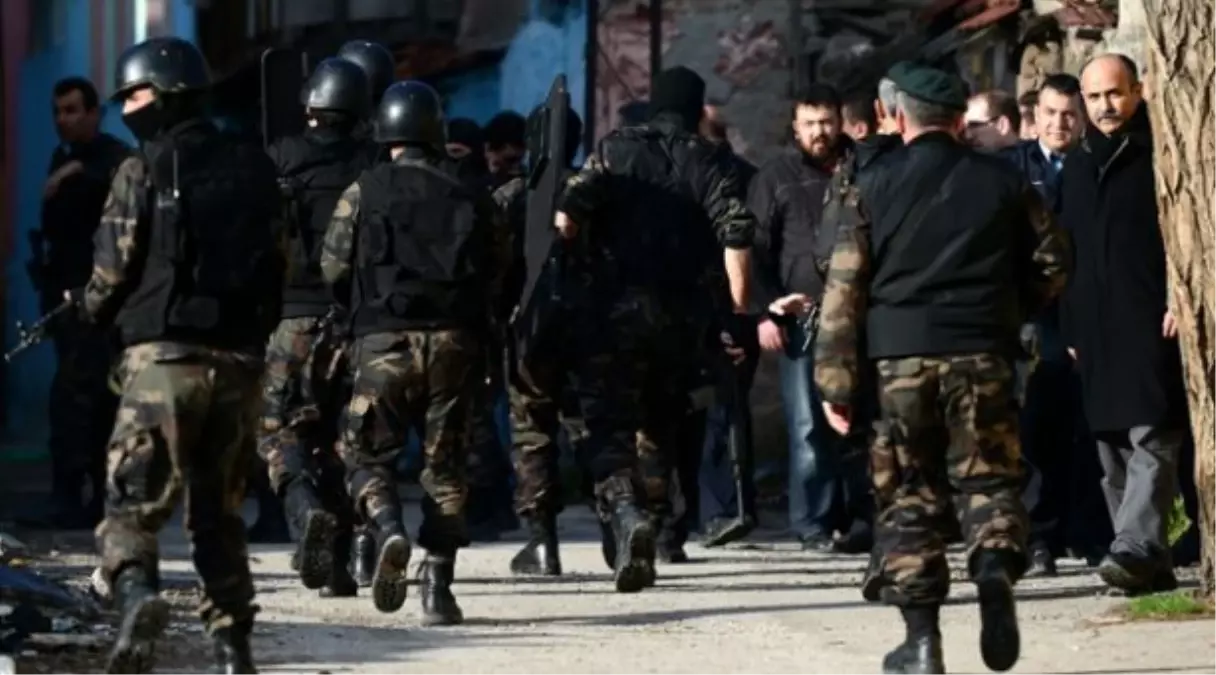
(860, 108)
(1003, 104)
(818, 95)
(506, 128)
(1062, 83)
(88, 93)
(1029, 99)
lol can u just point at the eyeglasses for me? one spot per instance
(976, 124)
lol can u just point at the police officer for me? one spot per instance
(536, 398)
(376, 62)
(189, 266)
(951, 251)
(662, 203)
(302, 399)
(419, 258)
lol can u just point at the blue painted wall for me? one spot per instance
(27, 384)
(550, 42)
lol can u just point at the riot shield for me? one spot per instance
(542, 250)
(284, 72)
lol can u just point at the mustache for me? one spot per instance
(1110, 115)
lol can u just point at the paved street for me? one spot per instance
(764, 608)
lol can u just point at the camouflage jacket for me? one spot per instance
(839, 344)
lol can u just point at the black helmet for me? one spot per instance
(375, 60)
(338, 84)
(410, 112)
(167, 64)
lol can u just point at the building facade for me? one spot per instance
(43, 41)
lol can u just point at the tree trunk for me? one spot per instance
(1181, 67)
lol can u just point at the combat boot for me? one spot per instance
(364, 557)
(873, 579)
(608, 544)
(994, 572)
(390, 578)
(540, 555)
(233, 653)
(271, 526)
(341, 584)
(317, 530)
(439, 606)
(921, 651)
(144, 617)
(634, 538)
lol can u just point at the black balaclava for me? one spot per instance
(167, 111)
(679, 92)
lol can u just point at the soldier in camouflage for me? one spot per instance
(419, 258)
(950, 250)
(540, 381)
(304, 359)
(194, 293)
(664, 207)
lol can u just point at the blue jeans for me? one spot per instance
(813, 465)
(719, 494)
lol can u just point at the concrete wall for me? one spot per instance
(86, 36)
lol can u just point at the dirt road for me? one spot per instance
(762, 608)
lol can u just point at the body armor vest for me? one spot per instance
(421, 260)
(315, 169)
(213, 274)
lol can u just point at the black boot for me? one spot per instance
(271, 525)
(144, 617)
(994, 572)
(364, 557)
(634, 537)
(921, 651)
(341, 584)
(232, 650)
(540, 555)
(439, 606)
(317, 529)
(873, 580)
(390, 578)
(608, 544)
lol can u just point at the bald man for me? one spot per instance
(1117, 320)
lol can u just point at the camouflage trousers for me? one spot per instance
(301, 393)
(953, 416)
(184, 427)
(420, 380)
(594, 353)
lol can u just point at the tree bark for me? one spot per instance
(1181, 67)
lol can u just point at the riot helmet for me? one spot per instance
(376, 61)
(410, 114)
(167, 64)
(177, 74)
(338, 85)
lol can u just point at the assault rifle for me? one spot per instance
(37, 332)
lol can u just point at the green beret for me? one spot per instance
(930, 85)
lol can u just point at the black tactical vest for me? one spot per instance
(420, 257)
(656, 229)
(315, 169)
(950, 248)
(214, 271)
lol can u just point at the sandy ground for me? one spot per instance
(760, 607)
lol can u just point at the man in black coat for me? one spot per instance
(1119, 326)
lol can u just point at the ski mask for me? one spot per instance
(679, 92)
